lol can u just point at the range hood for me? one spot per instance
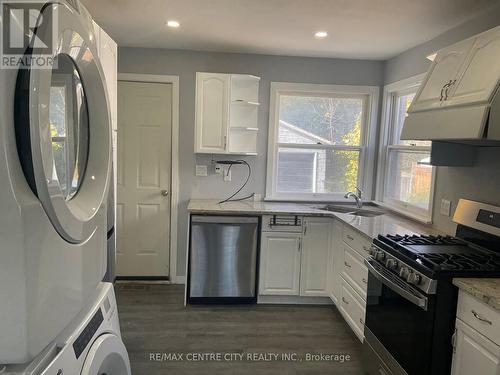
(459, 99)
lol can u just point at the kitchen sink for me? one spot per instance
(368, 210)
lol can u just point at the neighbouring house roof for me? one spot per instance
(290, 133)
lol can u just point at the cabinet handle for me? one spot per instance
(479, 317)
(350, 237)
(364, 281)
(361, 321)
(300, 245)
(345, 301)
(225, 142)
(366, 249)
(451, 83)
(305, 227)
(347, 265)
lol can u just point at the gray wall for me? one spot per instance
(481, 182)
(271, 68)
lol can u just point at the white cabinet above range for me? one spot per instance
(226, 108)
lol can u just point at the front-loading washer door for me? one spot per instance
(63, 128)
(107, 356)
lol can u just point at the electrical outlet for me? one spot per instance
(218, 169)
(227, 174)
(445, 207)
(201, 171)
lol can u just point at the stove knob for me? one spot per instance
(414, 278)
(391, 263)
(379, 255)
(403, 272)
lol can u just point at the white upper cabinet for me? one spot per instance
(479, 80)
(315, 257)
(465, 73)
(443, 71)
(212, 115)
(226, 113)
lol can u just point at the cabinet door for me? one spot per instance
(479, 80)
(474, 353)
(279, 263)
(445, 68)
(212, 112)
(315, 254)
(335, 263)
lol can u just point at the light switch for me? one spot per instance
(201, 171)
(445, 207)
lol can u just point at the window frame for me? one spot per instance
(367, 143)
(387, 144)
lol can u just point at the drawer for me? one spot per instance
(355, 271)
(353, 309)
(480, 316)
(356, 240)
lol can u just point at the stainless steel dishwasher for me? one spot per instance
(223, 259)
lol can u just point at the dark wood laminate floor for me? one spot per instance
(154, 320)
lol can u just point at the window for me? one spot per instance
(318, 140)
(408, 178)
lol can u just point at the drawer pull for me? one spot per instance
(361, 321)
(364, 281)
(350, 237)
(479, 317)
(347, 265)
(345, 301)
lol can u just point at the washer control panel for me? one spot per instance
(88, 332)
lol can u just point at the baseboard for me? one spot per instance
(294, 300)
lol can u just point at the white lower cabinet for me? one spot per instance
(476, 343)
(315, 254)
(474, 353)
(353, 248)
(280, 263)
(352, 307)
(296, 264)
(335, 263)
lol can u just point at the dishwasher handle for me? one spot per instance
(225, 219)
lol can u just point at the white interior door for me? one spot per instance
(144, 178)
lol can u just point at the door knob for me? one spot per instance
(164, 193)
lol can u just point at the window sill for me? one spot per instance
(424, 219)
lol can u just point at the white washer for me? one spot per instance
(91, 345)
(55, 159)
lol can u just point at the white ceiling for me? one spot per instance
(365, 29)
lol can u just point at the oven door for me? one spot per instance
(400, 318)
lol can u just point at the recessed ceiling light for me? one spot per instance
(321, 34)
(173, 24)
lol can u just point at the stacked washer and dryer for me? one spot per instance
(56, 315)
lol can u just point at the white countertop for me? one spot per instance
(389, 223)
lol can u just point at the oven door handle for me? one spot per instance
(416, 300)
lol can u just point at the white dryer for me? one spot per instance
(55, 159)
(90, 345)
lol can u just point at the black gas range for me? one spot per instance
(411, 305)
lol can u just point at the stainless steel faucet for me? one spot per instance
(356, 196)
